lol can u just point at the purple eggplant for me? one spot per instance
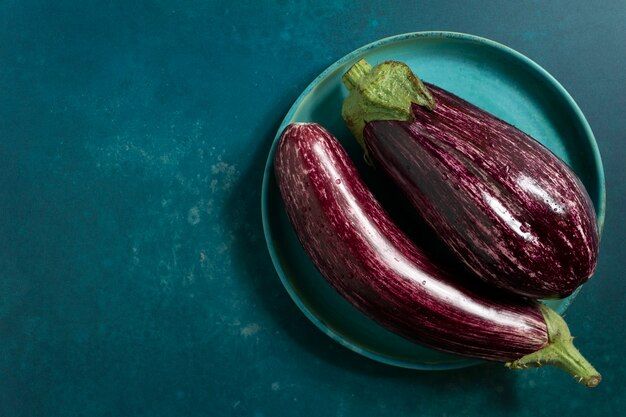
(513, 212)
(373, 264)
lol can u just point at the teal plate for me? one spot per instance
(488, 74)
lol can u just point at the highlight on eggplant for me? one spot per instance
(505, 205)
(361, 252)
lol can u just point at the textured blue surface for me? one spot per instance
(133, 274)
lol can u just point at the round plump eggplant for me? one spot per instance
(371, 262)
(512, 211)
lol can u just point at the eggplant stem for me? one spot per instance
(384, 92)
(356, 72)
(559, 352)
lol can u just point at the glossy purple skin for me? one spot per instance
(513, 212)
(372, 263)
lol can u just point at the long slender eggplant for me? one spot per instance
(513, 212)
(373, 264)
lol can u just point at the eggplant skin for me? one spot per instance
(513, 212)
(371, 262)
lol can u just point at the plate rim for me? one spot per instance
(268, 172)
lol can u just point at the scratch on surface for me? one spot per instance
(209, 207)
(222, 248)
(189, 279)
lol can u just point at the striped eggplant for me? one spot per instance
(513, 212)
(372, 263)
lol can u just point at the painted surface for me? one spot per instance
(134, 278)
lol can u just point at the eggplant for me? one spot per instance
(512, 211)
(363, 254)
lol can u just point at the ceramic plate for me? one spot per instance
(489, 75)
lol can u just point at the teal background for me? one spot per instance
(134, 280)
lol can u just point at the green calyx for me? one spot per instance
(383, 92)
(559, 352)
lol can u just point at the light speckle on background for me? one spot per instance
(250, 330)
(193, 217)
